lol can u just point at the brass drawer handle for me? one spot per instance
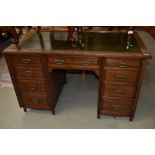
(25, 61)
(120, 77)
(116, 107)
(35, 101)
(85, 62)
(31, 87)
(59, 61)
(123, 63)
(119, 92)
(29, 72)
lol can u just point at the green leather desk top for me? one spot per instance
(91, 41)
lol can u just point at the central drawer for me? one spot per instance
(85, 61)
(116, 90)
(60, 60)
(82, 61)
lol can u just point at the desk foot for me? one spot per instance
(53, 112)
(131, 119)
(98, 116)
(114, 117)
(25, 110)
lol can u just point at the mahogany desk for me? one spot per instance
(38, 67)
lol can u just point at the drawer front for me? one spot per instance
(112, 107)
(36, 101)
(60, 60)
(26, 60)
(123, 63)
(121, 76)
(119, 90)
(29, 72)
(32, 86)
(85, 61)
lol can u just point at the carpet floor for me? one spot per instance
(5, 80)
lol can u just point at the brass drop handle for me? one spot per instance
(123, 63)
(59, 61)
(85, 62)
(25, 60)
(31, 87)
(29, 73)
(116, 107)
(119, 92)
(36, 101)
(120, 77)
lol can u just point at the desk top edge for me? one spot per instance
(144, 52)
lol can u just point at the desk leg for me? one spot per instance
(25, 110)
(84, 77)
(53, 111)
(98, 116)
(131, 118)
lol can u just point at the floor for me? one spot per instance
(5, 80)
(77, 104)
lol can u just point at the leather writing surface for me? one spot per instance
(91, 41)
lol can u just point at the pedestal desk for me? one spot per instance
(37, 68)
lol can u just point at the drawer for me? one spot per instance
(36, 101)
(32, 86)
(112, 107)
(123, 63)
(29, 72)
(121, 75)
(85, 61)
(115, 90)
(60, 60)
(26, 60)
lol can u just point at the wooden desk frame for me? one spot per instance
(41, 72)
